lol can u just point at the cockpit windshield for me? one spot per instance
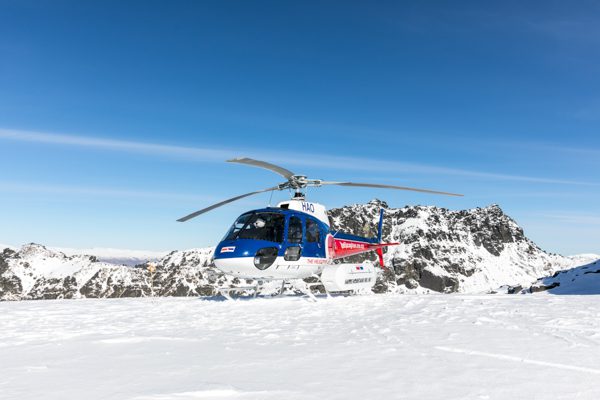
(258, 226)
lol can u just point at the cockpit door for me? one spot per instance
(294, 239)
(313, 239)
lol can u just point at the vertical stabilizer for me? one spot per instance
(380, 226)
(379, 251)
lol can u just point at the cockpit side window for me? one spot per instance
(313, 233)
(237, 226)
(258, 226)
(295, 230)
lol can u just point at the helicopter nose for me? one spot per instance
(246, 258)
(242, 267)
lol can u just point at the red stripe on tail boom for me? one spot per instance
(340, 248)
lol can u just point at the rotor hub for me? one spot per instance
(299, 182)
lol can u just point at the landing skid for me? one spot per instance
(226, 291)
(306, 289)
(309, 288)
(310, 295)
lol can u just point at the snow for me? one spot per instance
(117, 256)
(581, 259)
(108, 255)
(512, 267)
(467, 251)
(38, 261)
(580, 280)
(378, 346)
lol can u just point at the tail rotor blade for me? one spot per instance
(374, 185)
(222, 203)
(287, 174)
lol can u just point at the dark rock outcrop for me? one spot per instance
(542, 288)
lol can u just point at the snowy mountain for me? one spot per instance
(579, 280)
(36, 272)
(117, 256)
(469, 251)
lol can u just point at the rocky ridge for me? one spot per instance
(446, 251)
(36, 272)
(469, 251)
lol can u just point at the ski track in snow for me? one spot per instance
(379, 346)
(520, 360)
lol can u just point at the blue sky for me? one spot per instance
(116, 117)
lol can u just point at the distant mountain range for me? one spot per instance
(480, 250)
(117, 256)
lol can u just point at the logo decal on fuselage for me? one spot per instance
(352, 245)
(228, 249)
(316, 261)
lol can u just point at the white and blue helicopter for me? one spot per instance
(293, 240)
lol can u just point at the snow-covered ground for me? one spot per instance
(369, 347)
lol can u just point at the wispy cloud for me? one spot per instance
(570, 154)
(593, 153)
(205, 154)
(13, 187)
(570, 218)
(365, 164)
(114, 144)
(527, 194)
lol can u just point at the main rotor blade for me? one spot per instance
(195, 214)
(374, 185)
(287, 174)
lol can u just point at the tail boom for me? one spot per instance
(340, 247)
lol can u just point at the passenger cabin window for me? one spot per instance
(312, 231)
(295, 230)
(258, 226)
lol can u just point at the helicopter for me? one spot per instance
(294, 239)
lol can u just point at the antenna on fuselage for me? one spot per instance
(270, 198)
